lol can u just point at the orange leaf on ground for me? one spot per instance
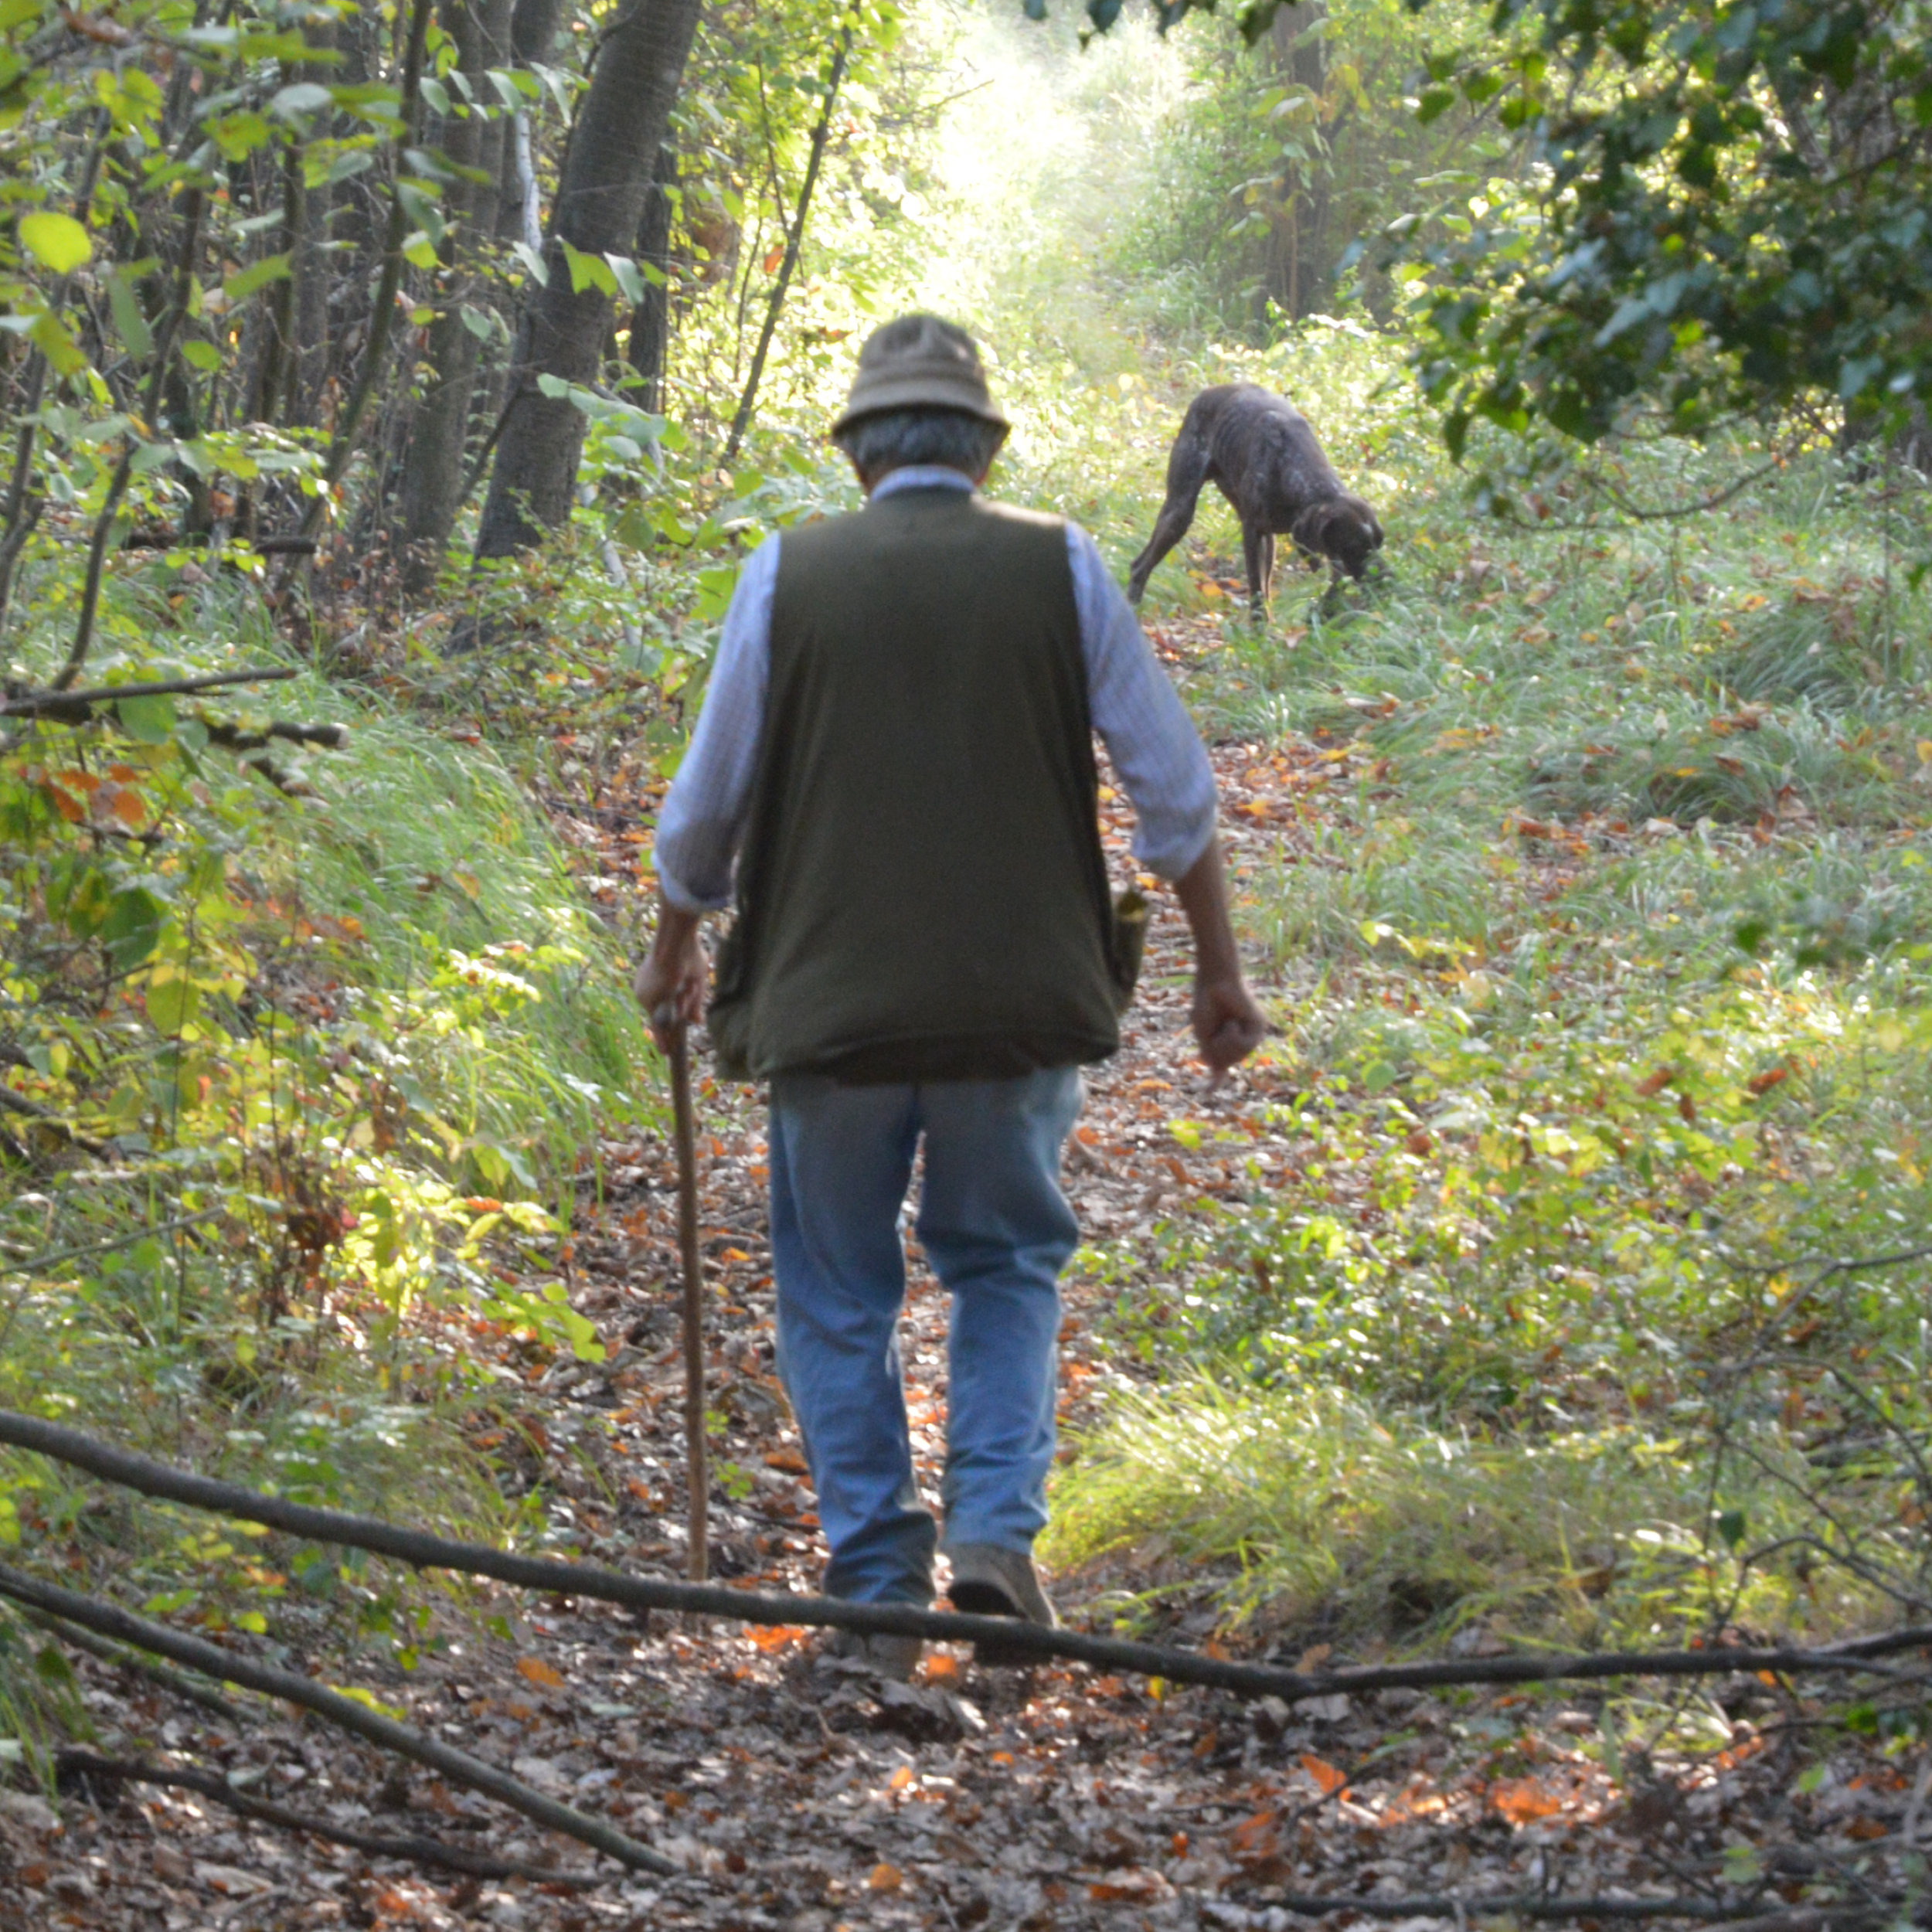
(128, 807)
(1865, 1828)
(885, 1878)
(539, 1672)
(776, 1637)
(1655, 1082)
(900, 1779)
(1253, 1834)
(1324, 1774)
(1523, 1800)
(1761, 1083)
(1130, 1888)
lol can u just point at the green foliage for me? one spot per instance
(1599, 911)
(1729, 219)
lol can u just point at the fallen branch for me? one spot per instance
(1665, 512)
(210, 1699)
(1311, 1905)
(109, 1620)
(27, 1110)
(74, 707)
(34, 1264)
(544, 1573)
(1528, 1905)
(419, 1851)
(233, 737)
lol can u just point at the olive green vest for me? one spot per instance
(922, 893)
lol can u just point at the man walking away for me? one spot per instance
(897, 751)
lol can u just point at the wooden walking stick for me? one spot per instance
(686, 1133)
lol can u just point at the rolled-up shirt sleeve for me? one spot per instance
(1141, 720)
(701, 822)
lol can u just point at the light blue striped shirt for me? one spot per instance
(1139, 715)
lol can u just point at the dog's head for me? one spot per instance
(1343, 528)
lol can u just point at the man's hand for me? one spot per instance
(671, 984)
(1227, 1023)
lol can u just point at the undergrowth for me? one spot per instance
(1599, 947)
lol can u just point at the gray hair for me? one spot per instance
(897, 439)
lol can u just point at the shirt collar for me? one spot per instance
(920, 476)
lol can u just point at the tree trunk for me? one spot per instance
(308, 375)
(433, 465)
(533, 30)
(651, 320)
(1297, 271)
(622, 124)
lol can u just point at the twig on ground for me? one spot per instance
(73, 707)
(39, 1263)
(641, 1593)
(1850, 1918)
(192, 1689)
(419, 1851)
(233, 737)
(1665, 512)
(45, 1117)
(109, 1620)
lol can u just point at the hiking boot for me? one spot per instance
(990, 1581)
(881, 1652)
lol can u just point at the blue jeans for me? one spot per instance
(998, 1231)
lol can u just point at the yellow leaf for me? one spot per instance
(539, 1672)
(57, 239)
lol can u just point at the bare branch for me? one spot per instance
(420, 1551)
(419, 1851)
(71, 707)
(109, 1620)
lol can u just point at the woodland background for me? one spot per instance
(390, 396)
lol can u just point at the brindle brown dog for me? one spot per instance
(1259, 451)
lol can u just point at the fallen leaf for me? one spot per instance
(1324, 1774)
(1254, 1836)
(885, 1878)
(539, 1672)
(1523, 1800)
(775, 1636)
(1130, 1888)
(1655, 1082)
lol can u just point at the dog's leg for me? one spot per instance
(1257, 551)
(1187, 468)
(1267, 565)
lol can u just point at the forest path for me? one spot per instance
(799, 1792)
